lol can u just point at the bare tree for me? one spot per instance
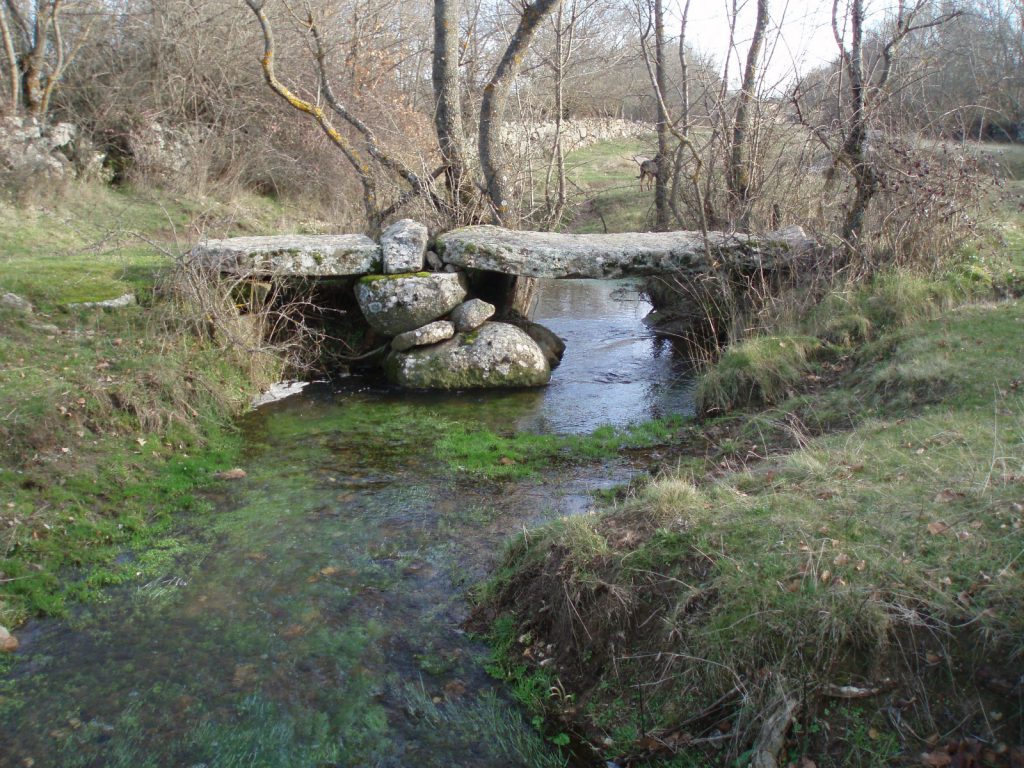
(36, 50)
(740, 159)
(14, 89)
(861, 94)
(358, 157)
(448, 100)
(494, 104)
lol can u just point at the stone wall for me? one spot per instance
(576, 134)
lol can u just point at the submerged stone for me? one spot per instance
(495, 355)
(470, 315)
(291, 255)
(431, 333)
(400, 303)
(550, 343)
(403, 247)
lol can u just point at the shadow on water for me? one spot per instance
(314, 615)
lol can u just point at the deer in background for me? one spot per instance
(648, 170)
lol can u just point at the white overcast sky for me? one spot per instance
(805, 42)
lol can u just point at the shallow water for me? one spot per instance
(314, 617)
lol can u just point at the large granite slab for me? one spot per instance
(292, 255)
(555, 255)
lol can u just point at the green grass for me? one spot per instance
(477, 451)
(892, 550)
(606, 175)
(99, 243)
(759, 370)
(108, 419)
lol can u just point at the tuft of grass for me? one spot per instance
(756, 371)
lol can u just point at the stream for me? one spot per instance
(313, 618)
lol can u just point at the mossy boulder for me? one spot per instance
(394, 304)
(494, 355)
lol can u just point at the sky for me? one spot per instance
(806, 40)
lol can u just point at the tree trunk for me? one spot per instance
(448, 111)
(865, 178)
(661, 201)
(740, 160)
(563, 52)
(12, 62)
(492, 108)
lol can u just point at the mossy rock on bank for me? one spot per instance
(495, 355)
(394, 304)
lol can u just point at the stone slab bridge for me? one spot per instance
(434, 301)
(509, 252)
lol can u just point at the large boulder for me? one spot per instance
(291, 255)
(33, 152)
(15, 302)
(394, 304)
(403, 247)
(495, 355)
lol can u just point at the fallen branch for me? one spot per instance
(772, 737)
(850, 691)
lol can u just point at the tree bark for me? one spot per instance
(661, 199)
(740, 160)
(865, 177)
(12, 62)
(563, 52)
(447, 96)
(492, 108)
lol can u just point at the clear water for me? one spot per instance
(314, 617)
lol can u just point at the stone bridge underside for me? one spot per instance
(447, 315)
(512, 252)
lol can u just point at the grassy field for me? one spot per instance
(605, 175)
(779, 558)
(108, 418)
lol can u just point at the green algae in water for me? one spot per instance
(313, 609)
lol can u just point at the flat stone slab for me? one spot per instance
(292, 255)
(554, 255)
(431, 333)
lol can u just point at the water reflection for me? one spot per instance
(615, 369)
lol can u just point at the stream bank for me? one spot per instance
(828, 576)
(310, 612)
